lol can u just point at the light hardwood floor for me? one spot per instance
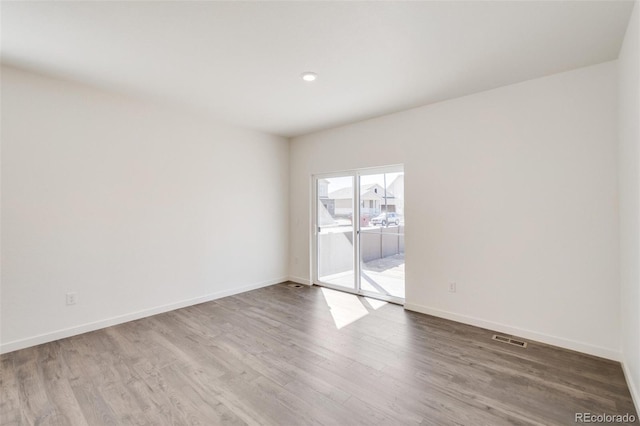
(275, 356)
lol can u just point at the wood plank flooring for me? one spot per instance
(274, 356)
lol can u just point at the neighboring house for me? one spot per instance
(373, 196)
(396, 187)
(323, 197)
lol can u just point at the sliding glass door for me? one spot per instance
(382, 234)
(335, 234)
(359, 232)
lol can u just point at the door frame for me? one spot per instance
(355, 174)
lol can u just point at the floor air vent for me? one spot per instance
(509, 340)
(295, 285)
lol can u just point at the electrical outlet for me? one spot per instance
(452, 287)
(72, 298)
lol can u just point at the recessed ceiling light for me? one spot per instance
(309, 76)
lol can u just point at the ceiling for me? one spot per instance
(241, 62)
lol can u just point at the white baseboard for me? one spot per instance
(96, 325)
(515, 331)
(631, 384)
(299, 280)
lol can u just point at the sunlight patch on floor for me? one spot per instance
(346, 308)
(375, 303)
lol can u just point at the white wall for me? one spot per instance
(138, 208)
(629, 157)
(511, 193)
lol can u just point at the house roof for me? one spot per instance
(367, 192)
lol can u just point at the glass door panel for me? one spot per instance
(335, 232)
(382, 235)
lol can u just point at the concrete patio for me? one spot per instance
(384, 276)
